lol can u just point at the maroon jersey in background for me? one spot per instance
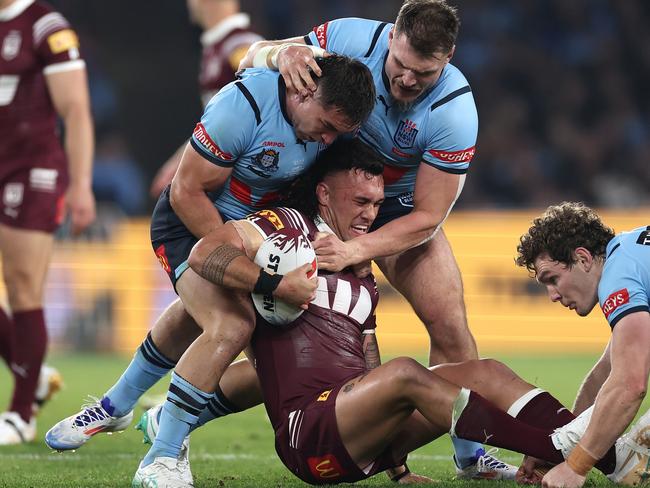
(34, 41)
(324, 346)
(223, 47)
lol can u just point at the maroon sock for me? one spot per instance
(547, 412)
(481, 421)
(28, 354)
(6, 336)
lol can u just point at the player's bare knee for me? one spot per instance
(23, 289)
(230, 336)
(405, 372)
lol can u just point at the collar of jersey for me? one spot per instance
(14, 10)
(226, 26)
(322, 226)
(282, 98)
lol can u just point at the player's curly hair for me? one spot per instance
(431, 26)
(342, 155)
(346, 84)
(559, 231)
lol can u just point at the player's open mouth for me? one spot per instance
(360, 229)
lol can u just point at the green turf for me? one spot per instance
(236, 451)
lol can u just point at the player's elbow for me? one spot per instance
(636, 387)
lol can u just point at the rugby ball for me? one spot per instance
(281, 252)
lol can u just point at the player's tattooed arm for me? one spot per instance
(371, 349)
(215, 264)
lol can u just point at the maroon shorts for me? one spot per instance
(310, 446)
(32, 196)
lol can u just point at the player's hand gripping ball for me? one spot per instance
(282, 252)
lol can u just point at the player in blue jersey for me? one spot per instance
(254, 137)
(581, 262)
(425, 123)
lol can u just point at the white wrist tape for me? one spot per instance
(267, 56)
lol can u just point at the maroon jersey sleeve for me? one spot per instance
(55, 41)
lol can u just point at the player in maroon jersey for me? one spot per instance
(338, 414)
(42, 75)
(226, 38)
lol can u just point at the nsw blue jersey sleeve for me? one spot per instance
(351, 36)
(227, 126)
(452, 133)
(624, 286)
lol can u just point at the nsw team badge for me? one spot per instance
(405, 134)
(265, 163)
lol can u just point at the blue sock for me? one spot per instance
(146, 368)
(180, 411)
(466, 452)
(218, 406)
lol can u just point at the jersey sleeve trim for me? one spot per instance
(375, 38)
(639, 308)
(307, 40)
(446, 169)
(48, 24)
(450, 97)
(247, 94)
(65, 66)
(212, 159)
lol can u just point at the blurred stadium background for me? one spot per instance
(564, 115)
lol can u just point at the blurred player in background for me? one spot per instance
(42, 75)
(226, 38)
(581, 262)
(425, 123)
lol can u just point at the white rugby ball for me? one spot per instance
(281, 252)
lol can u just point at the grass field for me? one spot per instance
(236, 451)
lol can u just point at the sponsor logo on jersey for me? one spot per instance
(324, 396)
(644, 237)
(162, 257)
(11, 45)
(270, 216)
(43, 179)
(325, 467)
(321, 35)
(615, 300)
(399, 153)
(265, 163)
(406, 199)
(405, 134)
(13, 194)
(204, 139)
(463, 156)
(272, 144)
(63, 40)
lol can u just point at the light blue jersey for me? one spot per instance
(624, 286)
(246, 127)
(440, 128)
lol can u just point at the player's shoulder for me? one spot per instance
(271, 220)
(450, 91)
(351, 36)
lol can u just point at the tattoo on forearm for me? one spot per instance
(371, 353)
(215, 264)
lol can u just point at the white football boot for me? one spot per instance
(487, 467)
(148, 424)
(633, 454)
(566, 437)
(50, 381)
(14, 430)
(74, 431)
(163, 472)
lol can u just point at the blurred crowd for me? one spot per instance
(560, 88)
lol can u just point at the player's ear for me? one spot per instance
(323, 193)
(584, 258)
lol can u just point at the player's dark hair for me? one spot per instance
(559, 231)
(342, 155)
(346, 84)
(431, 26)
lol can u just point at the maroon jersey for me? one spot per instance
(224, 45)
(34, 41)
(321, 349)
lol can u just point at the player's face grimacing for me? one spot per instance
(314, 122)
(409, 73)
(572, 286)
(350, 201)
